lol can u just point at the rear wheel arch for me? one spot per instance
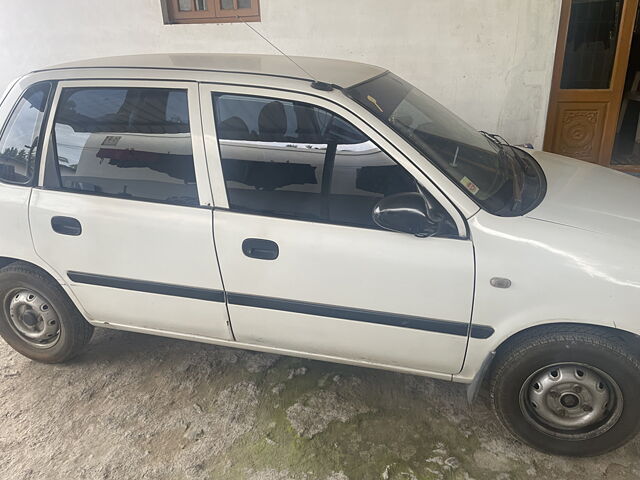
(4, 261)
(46, 271)
(37, 316)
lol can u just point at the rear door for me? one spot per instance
(305, 267)
(124, 213)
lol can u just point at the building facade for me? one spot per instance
(496, 63)
(490, 61)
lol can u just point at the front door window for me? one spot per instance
(295, 160)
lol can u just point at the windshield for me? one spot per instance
(499, 178)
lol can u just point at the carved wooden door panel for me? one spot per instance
(592, 54)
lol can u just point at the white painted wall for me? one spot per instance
(490, 61)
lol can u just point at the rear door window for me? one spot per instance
(132, 143)
(20, 139)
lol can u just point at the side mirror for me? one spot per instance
(408, 213)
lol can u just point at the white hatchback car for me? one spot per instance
(339, 214)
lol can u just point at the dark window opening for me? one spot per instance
(627, 146)
(592, 41)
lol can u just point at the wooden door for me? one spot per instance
(592, 55)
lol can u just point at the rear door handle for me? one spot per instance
(260, 249)
(66, 226)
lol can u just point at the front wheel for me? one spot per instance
(568, 390)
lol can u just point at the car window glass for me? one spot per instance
(126, 142)
(296, 160)
(20, 139)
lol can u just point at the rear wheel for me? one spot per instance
(568, 390)
(37, 318)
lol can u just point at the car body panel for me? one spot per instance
(338, 72)
(576, 250)
(134, 241)
(341, 266)
(588, 196)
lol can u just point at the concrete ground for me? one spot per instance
(142, 407)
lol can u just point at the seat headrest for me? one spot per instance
(272, 122)
(233, 128)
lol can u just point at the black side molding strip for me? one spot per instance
(369, 316)
(344, 313)
(148, 287)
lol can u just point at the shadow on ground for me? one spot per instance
(142, 407)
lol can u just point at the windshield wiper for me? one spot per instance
(496, 139)
(517, 168)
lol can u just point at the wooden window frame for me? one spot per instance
(215, 14)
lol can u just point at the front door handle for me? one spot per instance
(260, 249)
(66, 226)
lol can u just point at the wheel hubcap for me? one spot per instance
(33, 318)
(571, 401)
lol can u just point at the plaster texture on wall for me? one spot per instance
(490, 61)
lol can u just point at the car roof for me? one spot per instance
(338, 72)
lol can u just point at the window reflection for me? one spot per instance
(296, 160)
(592, 40)
(185, 5)
(130, 143)
(19, 142)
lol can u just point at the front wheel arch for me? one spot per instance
(629, 338)
(481, 378)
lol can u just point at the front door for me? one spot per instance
(304, 266)
(124, 210)
(588, 80)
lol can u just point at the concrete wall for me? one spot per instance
(490, 61)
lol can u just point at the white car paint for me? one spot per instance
(353, 267)
(590, 197)
(577, 249)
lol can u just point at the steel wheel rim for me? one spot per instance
(572, 401)
(32, 317)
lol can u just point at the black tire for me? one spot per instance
(529, 356)
(73, 331)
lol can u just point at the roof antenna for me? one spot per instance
(326, 87)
